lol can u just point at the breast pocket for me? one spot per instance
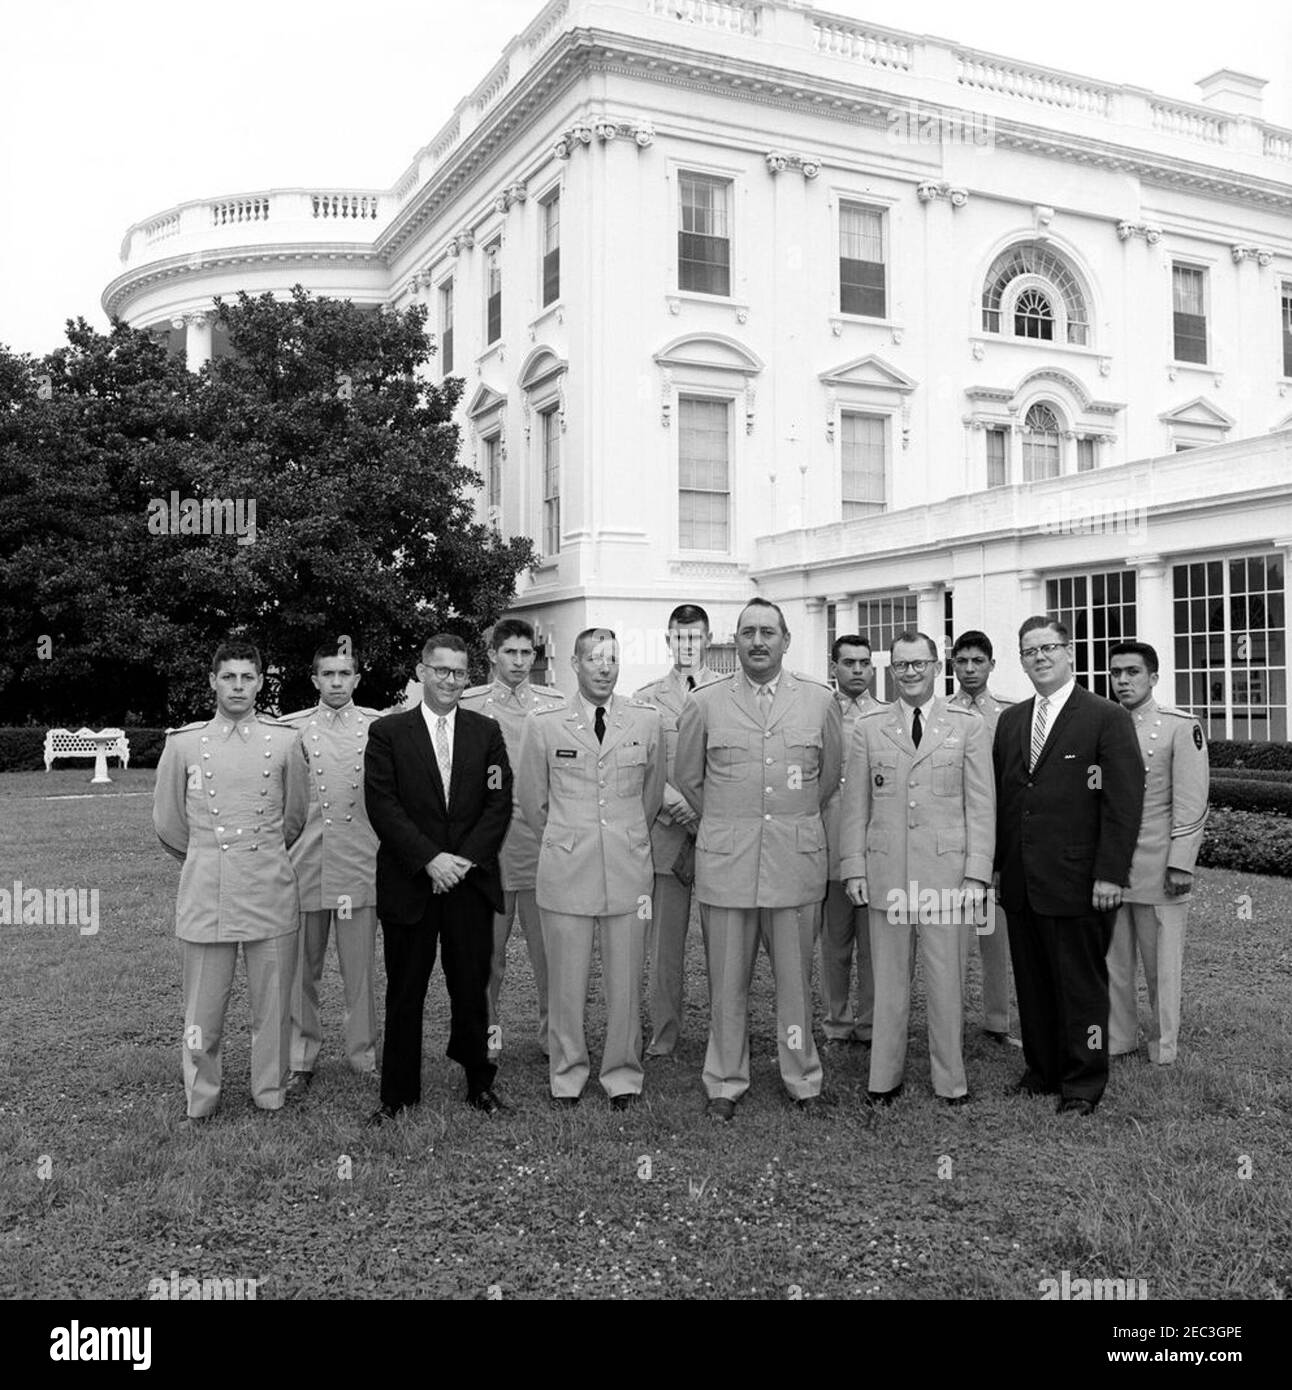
(728, 753)
(883, 776)
(568, 769)
(630, 769)
(803, 750)
(948, 774)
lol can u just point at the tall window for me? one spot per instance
(861, 261)
(704, 241)
(997, 458)
(1033, 317)
(549, 434)
(1287, 328)
(704, 474)
(493, 291)
(446, 326)
(1189, 302)
(864, 453)
(881, 619)
(1040, 444)
(1085, 455)
(493, 480)
(1033, 291)
(1231, 645)
(551, 208)
(1099, 610)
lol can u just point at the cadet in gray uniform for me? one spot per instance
(508, 698)
(1155, 908)
(231, 796)
(336, 867)
(672, 837)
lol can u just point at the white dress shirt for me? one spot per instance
(1056, 702)
(432, 723)
(908, 716)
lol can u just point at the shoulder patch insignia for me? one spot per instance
(1197, 737)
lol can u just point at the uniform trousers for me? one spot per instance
(208, 981)
(993, 952)
(844, 927)
(670, 918)
(1061, 979)
(731, 937)
(356, 944)
(1156, 931)
(568, 939)
(944, 949)
(524, 902)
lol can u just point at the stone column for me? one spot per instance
(197, 340)
(1154, 620)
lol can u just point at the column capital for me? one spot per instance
(1149, 566)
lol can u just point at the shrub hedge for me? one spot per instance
(1240, 794)
(1224, 752)
(23, 749)
(1247, 842)
(1251, 774)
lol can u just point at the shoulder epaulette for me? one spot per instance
(645, 691)
(271, 721)
(642, 704)
(879, 709)
(812, 680)
(959, 709)
(475, 690)
(368, 713)
(549, 692)
(289, 720)
(188, 728)
(1179, 713)
(713, 685)
(547, 709)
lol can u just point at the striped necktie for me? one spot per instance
(1038, 729)
(442, 753)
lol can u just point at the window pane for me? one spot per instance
(703, 474)
(996, 467)
(864, 453)
(704, 248)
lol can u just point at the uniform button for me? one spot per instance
(602, 801)
(354, 786)
(206, 755)
(358, 767)
(767, 733)
(239, 830)
(351, 803)
(219, 830)
(264, 791)
(767, 817)
(603, 822)
(215, 810)
(349, 818)
(326, 805)
(912, 805)
(269, 752)
(224, 846)
(768, 790)
(327, 820)
(254, 848)
(260, 810)
(209, 773)
(211, 792)
(265, 773)
(769, 762)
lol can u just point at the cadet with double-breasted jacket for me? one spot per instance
(591, 782)
(1154, 910)
(973, 664)
(336, 868)
(672, 836)
(918, 829)
(231, 796)
(509, 699)
(758, 756)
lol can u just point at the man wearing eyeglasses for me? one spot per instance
(437, 783)
(1069, 794)
(917, 836)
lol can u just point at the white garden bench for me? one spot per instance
(85, 743)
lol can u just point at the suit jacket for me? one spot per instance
(405, 799)
(591, 805)
(760, 790)
(918, 818)
(1074, 818)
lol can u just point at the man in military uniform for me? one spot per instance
(973, 662)
(853, 670)
(591, 783)
(508, 698)
(918, 832)
(231, 797)
(336, 867)
(1155, 908)
(758, 756)
(672, 836)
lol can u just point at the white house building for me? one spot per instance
(750, 297)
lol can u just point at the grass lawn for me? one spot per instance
(915, 1202)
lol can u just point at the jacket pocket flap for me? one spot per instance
(558, 839)
(630, 755)
(952, 840)
(803, 737)
(809, 835)
(716, 839)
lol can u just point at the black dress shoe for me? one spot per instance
(874, 1098)
(488, 1101)
(382, 1115)
(1000, 1039)
(956, 1100)
(1029, 1085)
(564, 1102)
(1074, 1105)
(299, 1082)
(720, 1108)
(625, 1101)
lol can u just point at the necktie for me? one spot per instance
(765, 701)
(599, 724)
(442, 753)
(1038, 729)
(690, 682)
(917, 728)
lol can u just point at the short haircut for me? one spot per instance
(973, 638)
(910, 635)
(686, 613)
(764, 603)
(506, 628)
(237, 649)
(1134, 649)
(326, 651)
(442, 641)
(852, 639)
(593, 634)
(1040, 620)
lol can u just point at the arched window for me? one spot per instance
(1032, 290)
(1040, 443)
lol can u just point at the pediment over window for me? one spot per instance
(1047, 380)
(540, 367)
(711, 351)
(869, 372)
(485, 400)
(1200, 412)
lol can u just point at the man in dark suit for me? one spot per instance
(437, 785)
(1069, 793)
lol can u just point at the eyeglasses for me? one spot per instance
(1046, 649)
(919, 667)
(448, 673)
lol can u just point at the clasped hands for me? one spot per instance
(447, 871)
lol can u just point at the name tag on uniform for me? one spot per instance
(567, 752)
(1068, 757)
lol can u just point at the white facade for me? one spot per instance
(748, 296)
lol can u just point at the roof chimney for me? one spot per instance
(1237, 93)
